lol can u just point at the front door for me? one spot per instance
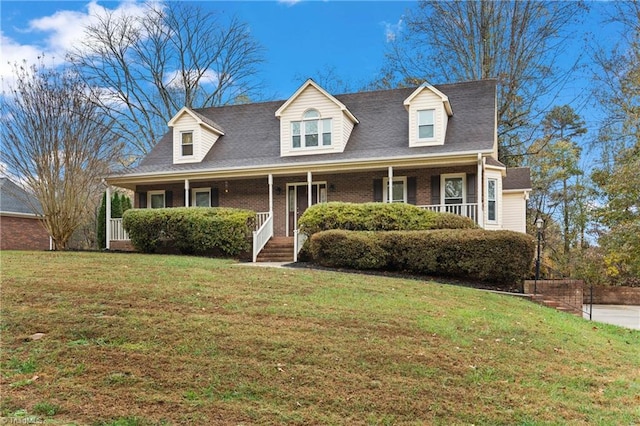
(298, 201)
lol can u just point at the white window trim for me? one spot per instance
(182, 144)
(385, 188)
(495, 200)
(150, 194)
(443, 179)
(434, 137)
(320, 119)
(196, 190)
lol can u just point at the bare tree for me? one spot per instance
(150, 66)
(58, 143)
(515, 42)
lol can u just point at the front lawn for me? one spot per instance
(134, 339)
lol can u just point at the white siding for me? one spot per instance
(310, 98)
(514, 207)
(423, 101)
(203, 139)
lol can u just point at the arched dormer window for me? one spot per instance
(311, 131)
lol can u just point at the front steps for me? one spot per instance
(554, 304)
(278, 249)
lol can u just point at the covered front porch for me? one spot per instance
(280, 198)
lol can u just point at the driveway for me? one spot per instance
(622, 315)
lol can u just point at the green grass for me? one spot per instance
(166, 340)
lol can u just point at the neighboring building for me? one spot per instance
(432, 146)
(20, 226)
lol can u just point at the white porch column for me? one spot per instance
(480, 185)
(107, 227)
(270, 194)
(390, 189)
(309, 189)
(186, 193)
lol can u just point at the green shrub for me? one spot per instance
(496, 256)
(338, 248)
(191, 230)
(376, 217)
(452, 221)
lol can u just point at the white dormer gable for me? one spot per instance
(193, 136)
(429, 111)
(312, 121)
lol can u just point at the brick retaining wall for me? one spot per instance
(613, 295)
(567, 293)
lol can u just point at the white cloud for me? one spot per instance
(13, 52)
(391, 31)
(289, 2)
(174, 79)
(56, 34)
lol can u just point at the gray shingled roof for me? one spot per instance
(14, 199)
(517, 178)
(252, 132)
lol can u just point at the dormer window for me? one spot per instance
(187, 144)
(306, 133)
(426, 124)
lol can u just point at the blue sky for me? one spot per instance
(300, 38)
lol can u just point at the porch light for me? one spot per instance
(226, 186)
(332, 188)
(278, 190)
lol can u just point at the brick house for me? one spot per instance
(20, 225)
(432, 146)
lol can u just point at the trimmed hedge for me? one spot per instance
(377, 217)
(496, 256)
(191, 230)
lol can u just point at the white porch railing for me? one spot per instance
(298, 241)
(263, 233)
(261, 218)
(117, 232)
(469, 210)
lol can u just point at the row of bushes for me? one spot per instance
(377, 217)
(497, 256)
(191, 231)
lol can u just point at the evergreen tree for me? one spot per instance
(125, 202)
(102, 226)
(116, 206)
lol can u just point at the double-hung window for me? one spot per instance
(426, 124)
(453, 190)
(311, 131)
(492, 185)
(201, 197)
(156, 199)
(398, 190)
(187, 144)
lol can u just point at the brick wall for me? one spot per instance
(569, 293)
(22, 233)
(613, 295)
(253, 194)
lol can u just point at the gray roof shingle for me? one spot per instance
(517, 178)
(252, 132)
(14, 199)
